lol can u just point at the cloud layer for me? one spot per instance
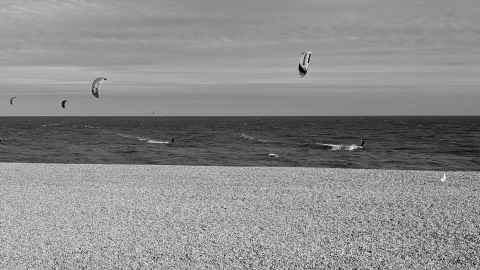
(123, 32)
(153, 47)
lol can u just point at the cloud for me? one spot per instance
(121, 32)
(161, 44)
(32, 9)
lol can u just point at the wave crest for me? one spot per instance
(141, 139)
(339, 147)
(254, 139)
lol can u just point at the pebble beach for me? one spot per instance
(91, 216)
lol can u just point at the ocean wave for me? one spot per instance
(51, 125)
(159, 142)
(252, 138)
(127, 136)
(273, 155)
(128, 151)
(248, 137)
(339, 147)
(142, 139)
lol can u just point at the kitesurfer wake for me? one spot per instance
(342, 147)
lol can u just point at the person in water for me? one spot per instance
(172, 140)
(362, 142)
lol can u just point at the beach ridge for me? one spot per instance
(161, 216)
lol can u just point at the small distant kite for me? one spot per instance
(12, 99)
(64, 103)
(96, 86)
(304, 63)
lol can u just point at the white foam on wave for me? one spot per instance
(251, 138)
(126, 136)
(333, 147)
(248, 137)
(142, 139)
(51, 125)
(354, 147)
(340, 147)
(155, 141)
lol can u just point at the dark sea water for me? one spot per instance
(423, 143)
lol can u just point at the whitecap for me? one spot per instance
(159, 142)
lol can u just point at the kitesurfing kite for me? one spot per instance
(304, 63)
(64, 103)
(12, 99)
(96, 86)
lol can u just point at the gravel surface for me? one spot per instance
(185, 217)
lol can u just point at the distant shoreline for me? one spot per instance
(236, 167)
(240, 116)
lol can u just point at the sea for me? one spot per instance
(418, 143)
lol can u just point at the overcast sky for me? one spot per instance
(231, 57)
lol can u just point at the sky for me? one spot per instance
(230, 57)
